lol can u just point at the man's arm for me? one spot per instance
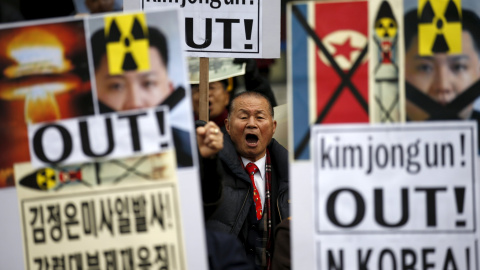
(210, 142)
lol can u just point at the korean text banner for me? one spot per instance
(120, 214)
(389, 197)
(225, 28)
(328, 70)
(100, 76)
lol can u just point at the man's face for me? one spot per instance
(251, 126)
(218, 98)
(132, 89)
(442, 77)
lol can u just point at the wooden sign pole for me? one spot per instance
(203, 89)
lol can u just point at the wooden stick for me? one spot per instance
(203, 89)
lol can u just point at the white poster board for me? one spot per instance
(232, 28)
(116, 135)
(121, 214)
(387, 197)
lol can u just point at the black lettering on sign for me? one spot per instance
(229, 27)
(363, 260)
(227, 31)
(460, 202)
(162, 256)
(161, 211)
(379, 203)
(86, 147)
(78, 139)
(333, 263)
(189, 36)
(403, 258)
(376, 156)
(132, 120)
(360, 207)
(381, 206)
(431, 203)
(248, 33)
(409, 259)
(38, 143)
(387, 258)
(215, 4)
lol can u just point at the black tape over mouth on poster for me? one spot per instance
(437, 111)
(345, 79)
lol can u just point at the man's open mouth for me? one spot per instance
(251, 139)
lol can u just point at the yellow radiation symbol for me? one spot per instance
(127, 43)
(386, 28)
(46, 179)
(440, 27)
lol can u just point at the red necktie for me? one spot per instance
(252, 169)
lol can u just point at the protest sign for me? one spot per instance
(388, 197)
(115, 135)
(439, 85)
(225, 28)
(54, 70)
(122, 214)
(386, 82)
(328, 67)
(107, 83)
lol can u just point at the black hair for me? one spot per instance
(249, 94)
(156, 39)
(470, 23)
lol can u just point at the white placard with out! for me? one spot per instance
(115, 135)
(225, 28)
(400, 196)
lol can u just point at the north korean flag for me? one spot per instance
(329, 69)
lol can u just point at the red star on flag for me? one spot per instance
(344, 49)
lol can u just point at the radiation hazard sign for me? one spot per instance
(127, 43)
(45, 178)
(440, 27)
